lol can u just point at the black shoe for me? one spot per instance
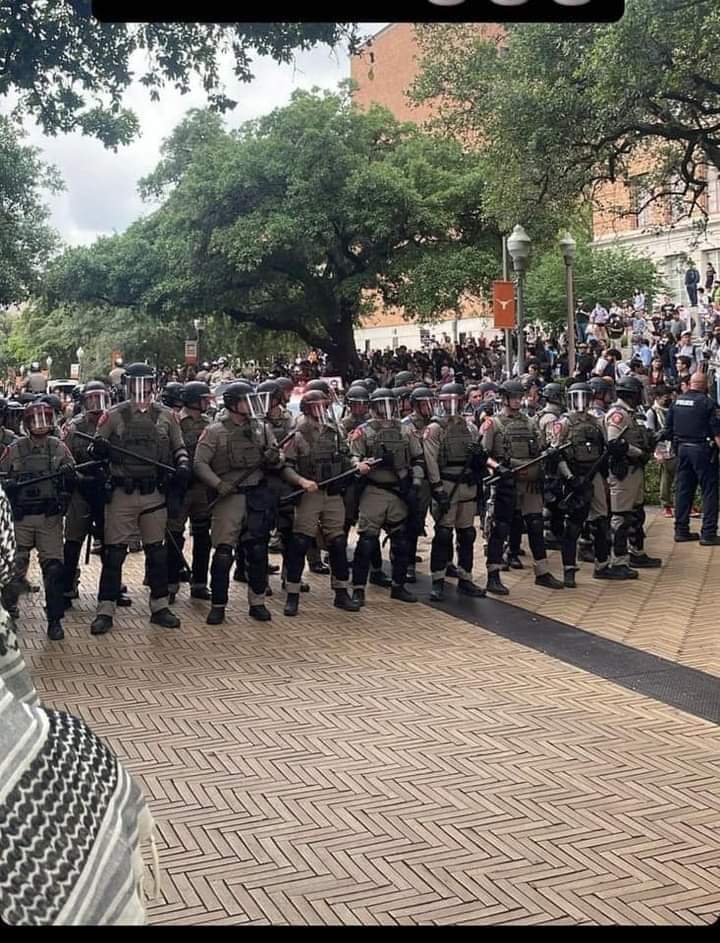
(273, 568)
(515, 563)
(378, 578)
(606, 573)
(411, 575)
(123, 601)
(100, 625)
(321, 569)
(200, 592)
(641, 561)
(55, 632)
(586, 556)
(451, 571)
(260, 613)
(304, 587)
(468, 588)
(437, 593)
(216, 615)
(623, 572)
(171, 598)
(548, 581)
(165, 618)
(686, 538)
(291, 604)
(569, 579)
(344, 602)
(240, 576)
(710, 541)
(495, 585)
(402, 594)
(358, 596)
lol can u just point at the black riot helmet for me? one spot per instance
(383, 403)
(358, 399)
(196, 395)
(95, 397)
(602, 388)
(13, 415)
(424, 401)
(579, 397)
(269, 393)
(554, 393)
(286, 387)
(403, 378)
(54, 401)
(452, 398)
(172, 395)
(512, 390)
(488, 389)
(629, 389)
(370, 384)
(139, 381)
(315, 404)
(239, 397)
(39, 417)
(403, 396)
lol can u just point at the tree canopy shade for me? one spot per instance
(560, 108)
(70, 71)
(295, 223)
(26, 239)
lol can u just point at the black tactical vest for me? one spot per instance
(587, 442)
(28, 462)
(456, 441)
(388, 442)
(142, 433)
(323, 459)
(515, 438)
(192, 429)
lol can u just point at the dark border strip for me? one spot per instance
(688, 689)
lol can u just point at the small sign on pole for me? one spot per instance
(74, 371)
(191, 352)
(504, 304)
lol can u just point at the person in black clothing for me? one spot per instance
(693, 426)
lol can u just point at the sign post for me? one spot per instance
(191, 352)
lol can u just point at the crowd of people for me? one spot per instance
(285, 460)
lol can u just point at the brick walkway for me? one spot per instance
(401, 766)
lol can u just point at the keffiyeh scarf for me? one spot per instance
(72, 820)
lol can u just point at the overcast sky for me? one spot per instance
(100, 195)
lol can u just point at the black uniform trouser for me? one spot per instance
(697, 465)
(507, 523)
(200, 530)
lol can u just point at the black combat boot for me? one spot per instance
(515, 563)
(569, 577)
(345, 602)
(451, 571)
(55, 631)
(200, 592)
(359, 596)
(411, 574)
(495, 585)
(622, 571)
(437, 593)
(378, 578)
(468, 588)
(216, 615)
(402, 594)
(641, 561)
(291, 604)
(548, 581)
(319, 567)
(100, 625)
(260, 613)
(165, 618)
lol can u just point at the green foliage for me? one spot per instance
(293, 222)
(603, 275)
(70, 72)
(557, 109)
(26, 239)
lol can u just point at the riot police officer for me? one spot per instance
(35, 382)
(423, 402)
(151, 431)
(172, 396)
(357, 400)
(193, 419)
(386, 498)
(231, 457)
(7, 435)
(582, 469)
(13, 418)
(553, 404)
(629, 451)
(453, 460)
(693, 426)
(510, 439)
(38, 508)
(315, 453)
(277, 414)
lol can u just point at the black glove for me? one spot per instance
(99, 448)
(575, 483)
(10, 486)
(441, 498)
(183, 474)
(502, 471)
(618, 448)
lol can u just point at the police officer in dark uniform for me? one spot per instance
(7, 436)
(693, 426)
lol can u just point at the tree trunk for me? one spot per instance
(342, 351)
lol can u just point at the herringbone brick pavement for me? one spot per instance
(670, 612)
(392, 767)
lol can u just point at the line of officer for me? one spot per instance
(38, 509)
(693, 426)
(136, 504)
(386, 498)
(423, 402)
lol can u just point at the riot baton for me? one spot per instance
(329, 481)
(554, 450)
(129, 454)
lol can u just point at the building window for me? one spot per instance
(713, 185)
(640, 195)
(675, 266)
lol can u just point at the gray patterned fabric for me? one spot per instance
(72, 820)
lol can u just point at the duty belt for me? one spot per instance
(130, 485)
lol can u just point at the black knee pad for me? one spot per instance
(256, 554)
(465, 547)
(534, 524)
(200, 529)
(296, 550)
(223, 556)
(52, 571)
(113, 557)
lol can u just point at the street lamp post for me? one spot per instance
(199, 326)
(48, 364)
(80, 353)
(568, 247)
(519, 248)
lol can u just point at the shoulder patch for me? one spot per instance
(557, 428)
(616, 418)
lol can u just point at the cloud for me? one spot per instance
(100, 195)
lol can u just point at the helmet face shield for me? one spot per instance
(39, 418)
(251, 404)
(385, 408)
(451, 404)
(578, 400)
(265, 401)
(426, 407)
(140, 389)
(318, 411)
(96, 401)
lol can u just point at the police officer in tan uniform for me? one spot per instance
(423, 402)
(629, 448)
(510, 438)
(38, 509)
(382, 504)
(317, 452)
(453, 459)
(232, 457)
(136, 505)
(195, 397)
(35, 382)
